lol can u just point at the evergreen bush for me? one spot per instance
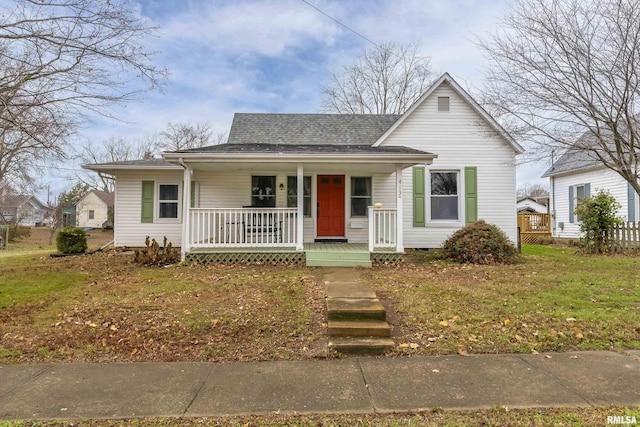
(71, 240)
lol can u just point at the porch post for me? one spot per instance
(186, 214)
(300, 216)
(399, 211)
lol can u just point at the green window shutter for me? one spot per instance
(471, 194)
(193, 194)
(147, 202)
(418, 197)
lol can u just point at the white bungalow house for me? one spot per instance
(284, 185)
(576, 175)
(92, 210)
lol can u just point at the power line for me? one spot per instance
(341, 24)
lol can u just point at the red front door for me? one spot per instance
(330, 205)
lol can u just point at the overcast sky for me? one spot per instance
(275, 55)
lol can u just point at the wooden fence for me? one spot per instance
(626, 237)
(534, 227)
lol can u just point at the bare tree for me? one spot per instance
(386, 79)
(114, 150)
(60, 61)
(566, 74)
(183, 136)
(533, 190)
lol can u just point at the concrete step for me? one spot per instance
(358, 309)
(360, 345)
(342, 328)
(337, 263)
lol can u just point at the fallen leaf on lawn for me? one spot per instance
(533, 351)
(571, 319)
(461, 352)
(93, 325)
(507, 322)
(134, 351)
(414, 345)
(432, 339)
(214, 322)
(113, 328)
(444, 323)
(579, 336)
(454, 318)
(435, 370)
(404, 345)
(518, 338)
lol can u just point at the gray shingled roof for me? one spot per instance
(572, 160)
(309, 129)
(303, 148)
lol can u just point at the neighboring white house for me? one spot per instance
(92, 210)
(576, 175)
(529, 204)
(286, 181)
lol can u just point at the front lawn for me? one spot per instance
(553, 300)
(104, 308)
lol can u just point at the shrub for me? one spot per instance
(479, 243)
(153, 254)
(17, 232)
(71, 240)
(598, 218)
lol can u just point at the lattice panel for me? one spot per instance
(247, 257)
(535, 238)
(387, 258)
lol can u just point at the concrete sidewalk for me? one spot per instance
(352, 385)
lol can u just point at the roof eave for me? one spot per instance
(109, 168)
(273, 157)
(549, 174)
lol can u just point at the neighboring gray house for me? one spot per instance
(23, 209)
(283, 183)
(576, 175)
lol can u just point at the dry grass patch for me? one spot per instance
(103, 308)
(553, 300)
(489, 417)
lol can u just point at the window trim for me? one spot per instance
(441, 104)
(305, 177)
(157, 201)
(576, 201)
(429, 196)
(91, 214)
(351, 196)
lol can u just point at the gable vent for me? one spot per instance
(443, 103)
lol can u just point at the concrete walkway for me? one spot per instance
(352, 385)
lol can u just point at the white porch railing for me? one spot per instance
(242, 227)
(383, 228)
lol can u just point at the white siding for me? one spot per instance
(128, 229)
(460, 138)
(91, 202)
(600, 179)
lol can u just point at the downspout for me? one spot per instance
(553, 195)
(186, 191)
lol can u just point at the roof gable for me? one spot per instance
(446, 78)
(309, 129)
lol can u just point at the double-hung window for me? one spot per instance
(292, 193)
(360, 196)
(263, 191)
(168, 201)
(92, 214)
(445, 196)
